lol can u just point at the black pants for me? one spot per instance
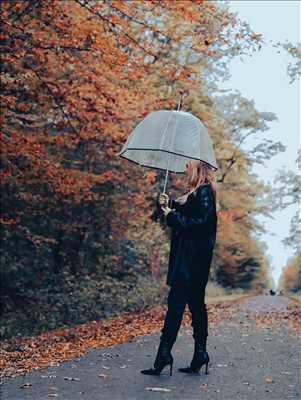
(180, 294)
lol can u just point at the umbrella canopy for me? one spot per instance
(167, 139)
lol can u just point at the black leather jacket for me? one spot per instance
(193, 237)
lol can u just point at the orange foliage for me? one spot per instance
(77, 78)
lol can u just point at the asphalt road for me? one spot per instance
(254, 354)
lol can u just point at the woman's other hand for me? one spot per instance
(163, 199)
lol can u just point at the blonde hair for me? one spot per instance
(200, 173)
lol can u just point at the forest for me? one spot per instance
(78, 243)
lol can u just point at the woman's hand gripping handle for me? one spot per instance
(162, 207)
(163, 201)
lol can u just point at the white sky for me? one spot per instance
(263, 78)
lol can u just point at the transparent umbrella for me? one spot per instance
(167, 139)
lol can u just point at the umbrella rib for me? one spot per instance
(169, 157)
(172, 142)
(165, 130)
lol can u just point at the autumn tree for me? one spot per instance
(290, 279)
(77, 76)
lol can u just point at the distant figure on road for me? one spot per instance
(193, 220)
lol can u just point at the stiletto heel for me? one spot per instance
(170, 372)
(206, 372)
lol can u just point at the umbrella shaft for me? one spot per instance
(166, 175)
(165, 181)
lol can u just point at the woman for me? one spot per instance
(193, 220)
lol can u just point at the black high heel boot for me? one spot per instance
(200, 357)
(163, 359)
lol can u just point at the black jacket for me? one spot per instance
(193, 237)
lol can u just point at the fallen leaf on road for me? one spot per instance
(103, 366)
(53, 364)
(158, 389)
(123, 366)
(103, 375)
(204, 385)
(269, 380)
(68, 378)
(25, 385)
